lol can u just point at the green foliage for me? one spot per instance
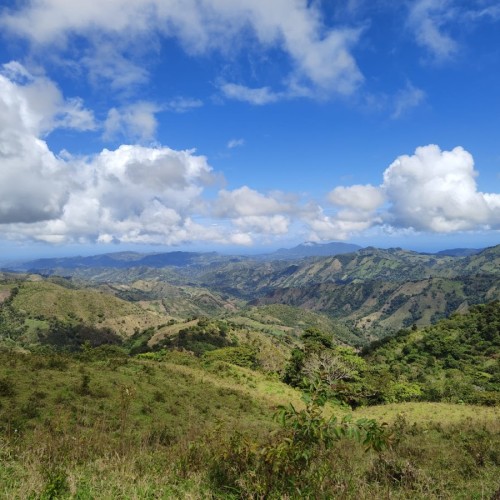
(454, 360)
(174, 426)
(56, 484)
(6, 387)
(73, 337)
(206, 335)
(243, 355)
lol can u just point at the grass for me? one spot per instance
(44, 300)
(434, 413)
(109, 426)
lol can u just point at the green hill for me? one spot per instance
(103, 425)
(456, 359)
(33, 305)
(386, 305)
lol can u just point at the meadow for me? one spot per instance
(99, 424)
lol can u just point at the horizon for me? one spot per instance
(235, 251)
(248, 126)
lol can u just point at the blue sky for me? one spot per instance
(240, 126)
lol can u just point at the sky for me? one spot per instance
(157, 125)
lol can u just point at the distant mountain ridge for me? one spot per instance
(125, 260)
(459, 252)
(182, 259)
(373, 290)
(119, 260)
(312, 249)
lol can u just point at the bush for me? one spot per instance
(6, 387)
(244, 356)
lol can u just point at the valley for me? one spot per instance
(191, 375)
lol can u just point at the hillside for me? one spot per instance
(34, 306)
(457, 358)
(294, 320)
(168, 425)
(379, 290)
(177, 301)
(369, 264)
(198, 407)
(373, 291)
(389, 305)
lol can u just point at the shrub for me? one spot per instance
(6, 387)
(244, 356)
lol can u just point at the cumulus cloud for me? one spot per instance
(139, 194)
(266, 224)
(431, 190)
(34, 183)
(132, 194)
(319, 56)
(435, 190)
(366, 198)
(244, 202)
(39, 103)
(341, 226)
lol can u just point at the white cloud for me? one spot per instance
(244, 202)
(435, 190)
(235, 143)
(40, 104)
(267, 224)
(431, 191)
(243, 239)
(182, 104)
(406, 99)
(427, 19)
(342, 226)
(132, 194)
(483, 11)
(257, 96)
(320, 57)
(106, 63)
(136, 121)
(366, 198)
(157, 195)
(34, 183)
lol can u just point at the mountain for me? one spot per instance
(120, 260)
(127, 260)
(459, 252)
(385, 305)
(312, 249)
(376, 290)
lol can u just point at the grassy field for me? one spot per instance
(104, 425)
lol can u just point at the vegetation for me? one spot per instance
(103, 425)
(106, 398)
(454, 360)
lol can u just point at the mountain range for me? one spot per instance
(372, 290)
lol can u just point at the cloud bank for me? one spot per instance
(157, 195)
